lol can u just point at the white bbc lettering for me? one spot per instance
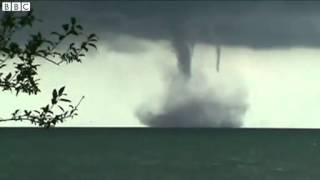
(26, 6)
(16, 6)
(6, 6)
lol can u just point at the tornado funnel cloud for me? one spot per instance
(183, 50)
(218, 52)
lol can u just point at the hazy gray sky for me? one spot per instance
(269, 64)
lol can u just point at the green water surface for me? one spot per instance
(159, 154)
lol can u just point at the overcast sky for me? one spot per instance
(269, 70)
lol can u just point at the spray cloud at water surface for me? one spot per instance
(186, 104)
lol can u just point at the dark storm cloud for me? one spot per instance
(247, 23)
(184, 24)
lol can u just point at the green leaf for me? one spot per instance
(65, 100)
(79, 27)
(73, 20)
(93, 45)
(17, 91)
(54, 94)
(61, 37)
(55, 33)
(8, 77)
(65, 27)
(54, 101)
(2, 65)
(45, 109)
(91, 36)
(61, 90)
(61, 108)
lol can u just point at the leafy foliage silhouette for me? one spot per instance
(24, 60)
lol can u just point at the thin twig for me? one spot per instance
(30, 118)
(50, 60)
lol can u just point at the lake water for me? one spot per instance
(159, 154)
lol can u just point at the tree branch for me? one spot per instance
(50, 60)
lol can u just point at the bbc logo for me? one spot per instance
(16, 6)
